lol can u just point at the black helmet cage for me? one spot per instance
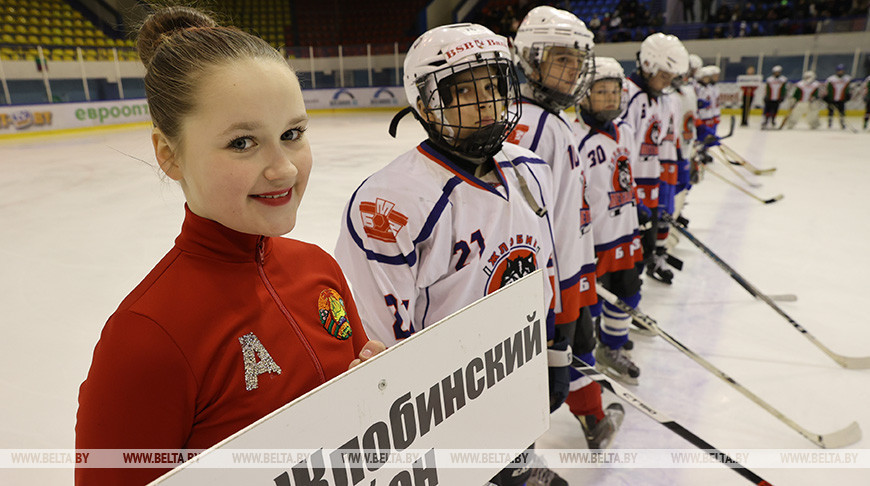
(438, 93)
(554, 99)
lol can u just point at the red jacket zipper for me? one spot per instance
(260, 260)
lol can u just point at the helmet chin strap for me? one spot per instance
(394, 124)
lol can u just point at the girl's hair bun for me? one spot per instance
(163, 24)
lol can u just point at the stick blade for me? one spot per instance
(769, 170)
(841, 438)
(774, 199)
(853, 363)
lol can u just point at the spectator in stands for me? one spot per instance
(594, 23)
(688, 10)
(706, 5)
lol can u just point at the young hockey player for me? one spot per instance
(463, 213)
(661, 58)
(775, 87)
(805, 95)
(709, 110)
(553, 50)
(688, 109)
(837, 94)
(606, 150)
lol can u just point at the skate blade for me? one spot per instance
(641, 332)
(610, 372)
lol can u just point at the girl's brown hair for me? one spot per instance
(178, 45)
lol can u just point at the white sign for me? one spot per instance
(60, 116)
(475, 381)
(320, 99)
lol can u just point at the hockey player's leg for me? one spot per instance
(841, 107)
(867, 111)
(658, 267)
(813, 116)
(584, 401)
(613, 330)
(610, 356)
(518, 472)
(796, 114)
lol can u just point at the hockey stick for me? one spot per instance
(669, 423)
(730, 130)
(784, 119)
(844, 361)
(721, 157)
(753, 196)
(783, 297)
(740, 160)
(841, 438)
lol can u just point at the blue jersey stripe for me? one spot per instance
(539, 131)
(442, 203)
(647, 181)
(572, 280)
(616, 242)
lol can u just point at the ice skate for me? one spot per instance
(616, 364)
(544, 476)
(599, 433)
(658, 269)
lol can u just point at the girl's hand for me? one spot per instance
(370, 349)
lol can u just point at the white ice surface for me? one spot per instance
(83, 218)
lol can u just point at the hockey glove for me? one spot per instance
(644, 217)
(559, 357)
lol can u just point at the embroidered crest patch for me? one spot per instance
(333, 316)
(380, 220)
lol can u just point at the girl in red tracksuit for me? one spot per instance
(234, 322)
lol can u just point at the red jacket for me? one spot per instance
(169, 370)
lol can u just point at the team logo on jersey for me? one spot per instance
(622, 179)
(512, 261)
(688, 127)
(380, 220)
(585, 216)
(333, 315)
(650, 145)
(517, 133)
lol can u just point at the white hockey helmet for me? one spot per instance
(431, 67)
(606, 68)
(695, 62)
(661, 52)
(704, 72)
(809, 76)
(777, 69)
(546, 32)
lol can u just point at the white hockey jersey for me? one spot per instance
(606, 152)
(774, 87)
(806, 91)
(708, 96)
(837, 87)
(689, 100)
(421, 238)
(643, 114)
(550, 137)
(671, 109)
